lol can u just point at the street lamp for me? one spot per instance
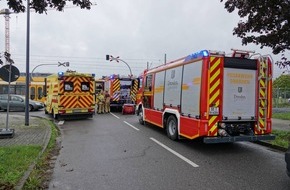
(111, 58)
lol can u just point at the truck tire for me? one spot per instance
(140, 116)
(45, 111)
(171, 127)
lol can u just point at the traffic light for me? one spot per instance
(107, 57)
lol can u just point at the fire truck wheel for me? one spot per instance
(171, 127)
(141, 121)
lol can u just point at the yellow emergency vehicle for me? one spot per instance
(70, 95)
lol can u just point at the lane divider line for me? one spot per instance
(131, 126)
(114, 115)
(175, 153)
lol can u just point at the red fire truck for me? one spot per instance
(211, 96)
(122, 89)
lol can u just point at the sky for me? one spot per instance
(141, 32)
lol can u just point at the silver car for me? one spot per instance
(17, 103)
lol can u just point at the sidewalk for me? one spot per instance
(37, 133)
(279, 124)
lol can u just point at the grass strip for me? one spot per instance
(41, 173)
(282, 138)
(14, 162)
(284, 116)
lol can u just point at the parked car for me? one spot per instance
(287, 159)
(17, 103)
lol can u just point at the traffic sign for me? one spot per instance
(4, 73)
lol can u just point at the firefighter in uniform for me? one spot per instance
(107, 102)
(101, 102)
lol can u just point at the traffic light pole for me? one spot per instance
(111, 58)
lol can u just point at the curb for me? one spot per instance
(22, 181)
(266, 144)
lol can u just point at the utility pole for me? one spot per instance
(27, 65)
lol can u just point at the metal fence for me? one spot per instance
(281, 97)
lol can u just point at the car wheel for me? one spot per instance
(141, 121)
(171, 127)
(30, 108)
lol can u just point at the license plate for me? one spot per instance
(213, 111)
(77, 111)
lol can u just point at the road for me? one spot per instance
(113, 151)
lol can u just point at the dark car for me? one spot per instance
(17, 103)
(287, 159)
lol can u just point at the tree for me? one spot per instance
(40, 6)
(281, 86)
(283, 82)
(267, 24)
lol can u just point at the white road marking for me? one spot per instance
(114, 115)
(61, 122)
(175, 153)
(131, 126)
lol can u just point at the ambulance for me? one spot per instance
(211, 96)
(70, 95)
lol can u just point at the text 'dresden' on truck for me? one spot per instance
(70, 95)
(210, 96)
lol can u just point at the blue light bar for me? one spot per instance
(93, 75)
(60, 74)
(202, 53)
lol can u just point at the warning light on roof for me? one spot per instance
(199, 54)
(60, 74)
(205, 53)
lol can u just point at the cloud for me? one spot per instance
(140, 32)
